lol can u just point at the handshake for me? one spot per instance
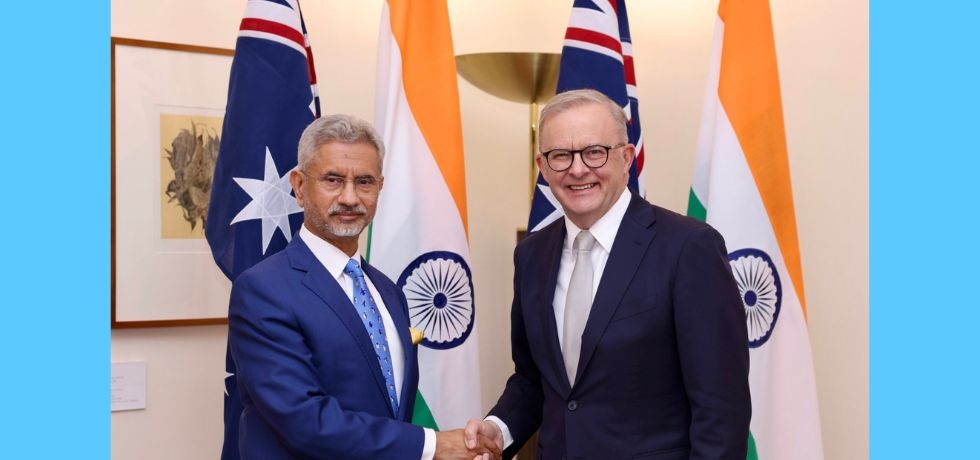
(480, 440)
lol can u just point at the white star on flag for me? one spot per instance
(272, 201)
(550, 196)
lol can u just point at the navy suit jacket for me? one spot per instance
(309, 379)
(663, 371)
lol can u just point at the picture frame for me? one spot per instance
(167, 107)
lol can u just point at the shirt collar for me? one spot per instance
(332, 258)
(604, 230)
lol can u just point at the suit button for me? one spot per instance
(572, 405)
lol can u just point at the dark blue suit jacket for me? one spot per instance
(663, 372)
(308, 376)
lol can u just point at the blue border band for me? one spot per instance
(55, 324)
(924, 174)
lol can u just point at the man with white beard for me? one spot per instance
(327, 367)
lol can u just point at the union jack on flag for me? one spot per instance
(597, 54)
(272, 97)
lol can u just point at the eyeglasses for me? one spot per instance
(335, 184)
(593, 156)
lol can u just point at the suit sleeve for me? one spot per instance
(712, 346)
(276, 373)
(522, 401)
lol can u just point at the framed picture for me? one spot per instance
(168, 104)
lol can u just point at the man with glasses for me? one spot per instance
(627, 329)
(326, 364)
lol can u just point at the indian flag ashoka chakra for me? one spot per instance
(439, 291)
(761, 291)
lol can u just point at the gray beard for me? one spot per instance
(341, 231)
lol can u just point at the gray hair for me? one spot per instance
(337, 128)
(577, 98)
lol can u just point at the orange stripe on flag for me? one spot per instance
(429, 77)
(748, 88)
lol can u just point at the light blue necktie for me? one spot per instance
(371, 317)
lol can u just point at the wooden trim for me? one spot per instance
(168, 46)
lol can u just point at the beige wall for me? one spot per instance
(824, 79)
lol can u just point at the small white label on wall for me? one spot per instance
(128, 388)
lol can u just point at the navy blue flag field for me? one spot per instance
(271, 99)
(597, 54)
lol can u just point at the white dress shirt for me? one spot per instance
(604, 230)
(334, 260)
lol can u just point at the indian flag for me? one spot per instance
(742, 188)
(419, 236)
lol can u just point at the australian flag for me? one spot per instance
(597, 54)
(272, 97)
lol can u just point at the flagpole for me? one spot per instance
(519, 77)
(532, 174)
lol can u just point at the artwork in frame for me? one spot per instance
(168, 104)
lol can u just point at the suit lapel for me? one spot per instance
(550, 260)
(631, 243)
(393, 302)
(399, 316)
(325, 286)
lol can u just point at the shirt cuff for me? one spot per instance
(508, 439)
(429, 447)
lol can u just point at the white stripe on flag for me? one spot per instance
(273, 37)
(593, 47)
(588, 18)
(275, 12)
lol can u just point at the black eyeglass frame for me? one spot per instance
(605, 159)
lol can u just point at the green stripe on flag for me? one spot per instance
(422, 416)
(694, 207)
(367, 247)
(752, 454)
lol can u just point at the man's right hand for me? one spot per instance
(479, 432)
(451, 445)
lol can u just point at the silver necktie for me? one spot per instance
(578, 302)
